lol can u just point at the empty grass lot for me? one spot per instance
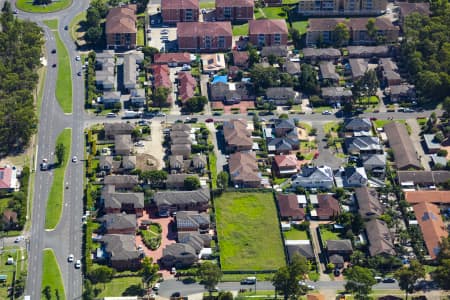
(28, 6)
(120, 287)
(328, 235)
(51, 275)
(56, 195)
(248, 232)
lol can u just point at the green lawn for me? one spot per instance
(140, 37)
(207, 5)
(51, 275)
(239, 30)
(75, 24)
(64, 79)
(270, 13)
(328, 235)
(213, 169)
(422, 121)
(330, 127)
(27, 5)
(120, 287)
(52, 24)
(300, 26)
(7, 270)
(321, 109)
(42, 74)
(289, 2)
(55, 197)
(295, 234)
(248, 232)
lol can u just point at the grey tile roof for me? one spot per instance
(339, 245)
(404, 152)
(301, 249)
(115, 200)
(118, 221)
(189, 219)
(368, 202)
(120, 246)
(181, 197)
(380, 239)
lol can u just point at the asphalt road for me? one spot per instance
(67, 237)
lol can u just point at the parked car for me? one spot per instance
(337, 272)
(54, 51)
(111, 115)
(209, 120)
(18, 239)
(173, 271)
(165, 31)
(74, 159)
(77, 58)
(388, 280)
(186, 67)
(156, 286)
(326, 112)
(249, 280)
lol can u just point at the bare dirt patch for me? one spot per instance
(147, 162)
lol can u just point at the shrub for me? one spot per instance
(442, 152)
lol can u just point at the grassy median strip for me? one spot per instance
(52, 24)
(75, 25)
(52, 283)
(28, 6)
(56, 196)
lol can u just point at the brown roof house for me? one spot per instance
(404, 152)
(161, 78)
(172, 59)
(121, 251)
(244, 170)
(340, 247)
(120, 27)
(174, 11)
(172, 201)
(234, 10)
(326, 207)
(367, 51)
(268, 32)
(386, 31)
(237, 136)
(368, 203)
(317, 54)
(437, 197)
(125, 182)
(115, 202)
(423, 178)
(112, 129)
(328, 72)
(433, 228)
(186, 86)
(240, 59)
(407, 8)
(123, 144)
(335, 94)
(289, 207)
(9, 219)
(205, 36)
(379, 237)
(179, 255)
(176, 181)
(118, 223)
(285, 165)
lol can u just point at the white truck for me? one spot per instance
(129, 114)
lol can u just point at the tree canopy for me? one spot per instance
(407, 276)
(360, 281)
(286, 279)
(210, 275)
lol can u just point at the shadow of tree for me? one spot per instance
(134, 290)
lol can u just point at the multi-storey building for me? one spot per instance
(341, 7)
(205, 36)
(174, 11)
(234, 10)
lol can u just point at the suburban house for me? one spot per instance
(110, 98)
(8, 179)
(363, 145)
(192, 221)
(292, 67)
(387, 69)
(283, 95)
(176, 181)
(112, 129)
(178, 255)
(358, 125)
(431, 196)
(161, 78)
(268, 32)
(176, 164)
(358, 67)
(108, 165)
(115, 202)
(336, 94)
(401, 92)
(423, 178)
(401, 144)
(237, 136)
(300, 247)
(121, 251)
(123, 144)
(276, 50)
(9, 220)
(354, 177)
(285, 165)
(433, 228)
(240, 59)
(343, 248)
(285, 127)
(282, 145)
(326, 207)
(234, 10)
(407, 8)
(319, 54)
(186, 86)
(172, 59)
(121, 182)
(131, 69)
(174, 11)
(137, 97)
(196, 240)
(181, 149)
(120, 27)
(328, 72)
(289, 207)
(379, 237)
(315, 177)
(118, 223)
(321, 30)
(367, 199)
(172, 201)
(374, 164)
(231, 92)
(244, 170)
(105, 70)
(204, 36)
(282, 137)
(344, 8)
(368, 51)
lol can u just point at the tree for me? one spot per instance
(191, 183)
(308, 79)
(296, 37)
(442, 272)
(149, 53)
(102, 274)
(407, 276)
(93, 17)
(93, 35)
(371, 28)
(7, 8)
(286, 278)
(222, 180)
(142, 5)
(253, 57)
(155, 178)
(47, 291)
(160, 96)
(113, 3)
(148, 270)
(264, 78)
(225, 296)
(341, 35)
(60, 152)
(360, 281)
(210, 275)
(196, 104)
(101, 6)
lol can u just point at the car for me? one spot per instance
(80, 73)
(77, 58)
(74, 159)
(53, 51)
(214, 289)
(173, 271)
(176, 294)
(15, 11)
(78, 264)
(209, 120)
(389, 280)
(378, 278)
(373, 119)
(70, 258)
(111, 115)
(66, 27)
(249, 280)
(216, 113)
(139, 144)
(54, 66)
(326, 113)
(18, 239)
(165, 31)
(156, 286)
(160, 114)
(337, 272)
(186, 67)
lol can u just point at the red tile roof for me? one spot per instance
(236, 133)
(243, 167)
(187, 84)
(360, 24)
(289, 206)
(286, 161)
(167, 58)
(240, 58)
(121, 20)
(199, 29)
(235, 3)
(427, 196)
(433, 228)
(6, 174)
(328, 206)
(179, 4)
(267, 26)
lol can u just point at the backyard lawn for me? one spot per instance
(240, 30)
(295, 234)
(207, 5)
(327, 234)
(28, 6)
(270, 13)
(300, 26)
(51, 275)
(56, 195)
(248, 232)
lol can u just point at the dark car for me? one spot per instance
(66, 27)
(388, 280)
(54, 51)
(176, 294)
(209, 120)
(54, 65)
(337, 272)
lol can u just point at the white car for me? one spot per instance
(70, 258)
(156, 286)
(19, 239)
(186, 67)
(74, 159)
(326, 112)
(77, 58)
(139, 144)
(173, 271)
(78, 264)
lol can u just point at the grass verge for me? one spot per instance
(75, 25)
(248, 232)
(120, 287)
(42, 73)
(55, 198)
(64, 78)
(51, 275)
(28, 6)
(52, 24)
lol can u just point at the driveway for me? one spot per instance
(326, 156)
(221, 159)
(174, 109)
(317, 250)
(415, 137)
(204, 79)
